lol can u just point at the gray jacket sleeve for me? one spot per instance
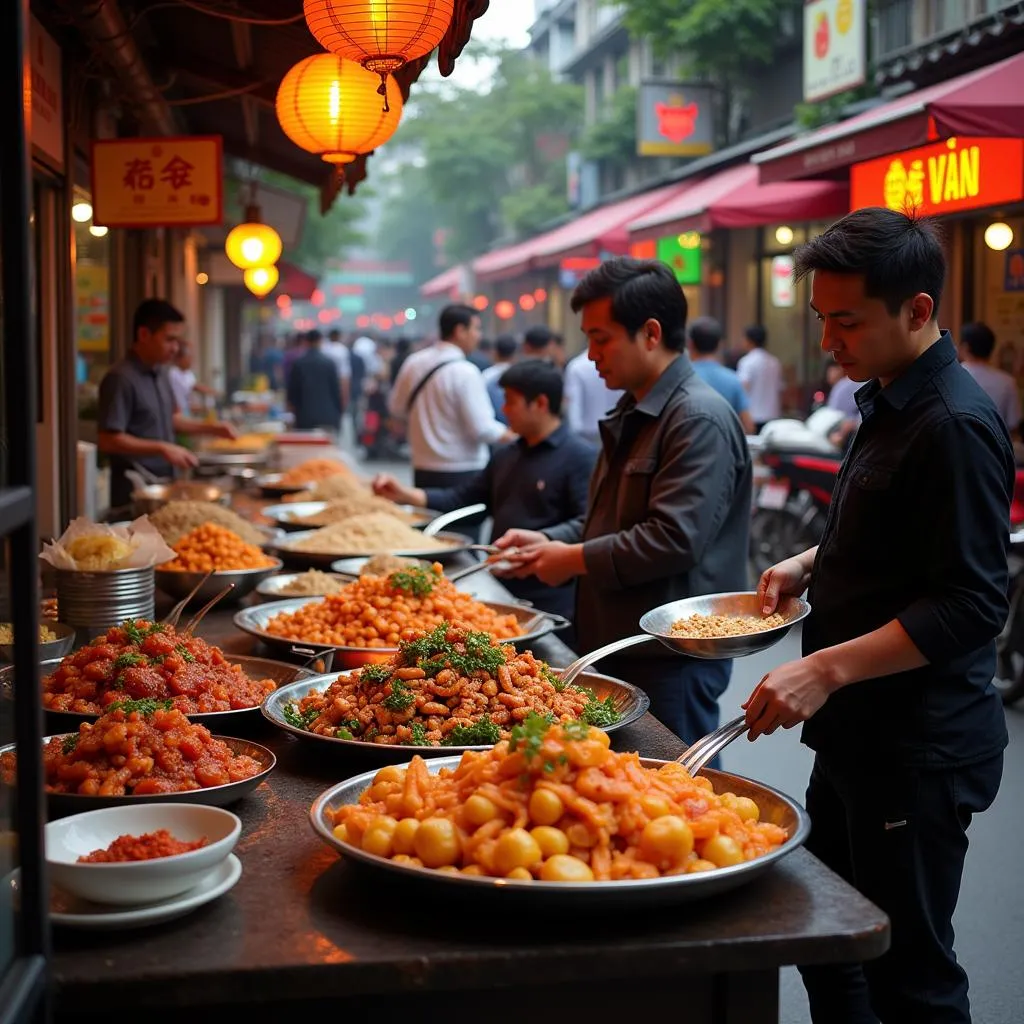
(690, 495)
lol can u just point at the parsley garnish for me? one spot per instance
(343, 734)
(416, 581)
(69, 744)
(184, 653)
(419, 736)
(127, 659)
(468, 653)
(146, 707)
(600, 712)
(576, 730)
(400, 698)
(553, 679)
(380, 673)
(528, 736)
(299, 719)
(131, 629)
(479, 734)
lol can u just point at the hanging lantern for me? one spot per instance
(382, 35)
(253, 243)
(330, 107)
(260, 280)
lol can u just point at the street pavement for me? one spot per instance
(990, 918)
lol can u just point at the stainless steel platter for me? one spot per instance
(255, 668)
(180, 584)
(234, 458)
(630, 702)
(59, 805)
(284, 549)
(285, 515)
(270, 485)
(253, 620)
(775, 807)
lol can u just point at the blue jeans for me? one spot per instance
(684, 691)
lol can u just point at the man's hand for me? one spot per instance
(386, 486)
(552, 562)
(787, 696)
(179, 457)
(520, 539)
(787, 578)
(221, 429)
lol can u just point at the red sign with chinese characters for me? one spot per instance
(160, 182)
(956, 174)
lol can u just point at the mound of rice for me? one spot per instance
(177, 518)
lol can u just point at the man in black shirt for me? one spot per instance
(908, 589)
(538, 481)
(314, 389)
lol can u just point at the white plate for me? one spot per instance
(76, 913)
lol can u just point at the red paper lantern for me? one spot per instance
(504, 309)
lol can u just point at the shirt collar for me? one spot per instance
(678, 371)
(153, 371)
(449, 348)
(905, 387)
(555, 439)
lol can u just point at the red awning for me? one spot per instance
(451, 283)
(988, 102)
(295, 282)
(733, 198)
(604, 230)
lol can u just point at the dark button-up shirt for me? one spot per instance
(918, 531)
(314, 391)
(668, 515)
(136, 399)
(529, 487)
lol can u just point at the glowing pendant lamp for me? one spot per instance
(253, 243)
(261, 280)
(330, 106)
(382, 35)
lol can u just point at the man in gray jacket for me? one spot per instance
(669, 506)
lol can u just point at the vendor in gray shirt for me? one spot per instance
(138, 419)
(669, 505)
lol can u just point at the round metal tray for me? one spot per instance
(234, 459)
(458, 543)
(180, 584)
(285, 515)
(270, 485)
(59, 805)
(273, 586)
(775, 807)
(255, 668)
(253, 620)
(630, 701)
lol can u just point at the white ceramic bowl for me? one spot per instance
(137, 882)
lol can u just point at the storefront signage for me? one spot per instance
(674, 119)
(683, 254)
(160, 182)
(782, 285)
(47, 110)
(1014, 278)
(92, 307)
(835, 47)
(957, 174)
(573, 269)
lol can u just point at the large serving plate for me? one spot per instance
(285, 516)
(534, 624)
(270, 485)
(255, 668)
(775, 807)
(630, 702)
(58, 805)
(284, 549)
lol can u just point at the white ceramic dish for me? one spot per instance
(138, 882)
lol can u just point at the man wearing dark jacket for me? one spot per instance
(669, 506)
(314, 390)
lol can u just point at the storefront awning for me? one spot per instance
(453, 281)
(604, 230)
(988, 102)
(735, 199)
(295, 282)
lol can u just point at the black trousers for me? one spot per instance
(899, 835)
(440, 478)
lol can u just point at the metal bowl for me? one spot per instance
(285, 515)
(58, 805)
(458, 543)
(281, 672)
(630, 702)
(534, 624)
(52, 648)
(274, 586)
(180, 584)
(658, 623)
(234, 459)
(270, 485)
(629, 893)
(154, 496)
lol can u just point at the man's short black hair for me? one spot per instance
(533, 378)
(505, 346)
(538, 338)
(452, 317)
(334, 334)
(314, 337)
(979, 338)
(756, 335)
(705, 334)
(640, 290)
(153, 314)
(898, 254)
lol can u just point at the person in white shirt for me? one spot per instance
(587, 398)
(183, 379)
(761, 375)
(977, 343)
(366, 348)
(337, 351)
(442, 396)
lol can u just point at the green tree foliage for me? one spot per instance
(612, 139)
(494, 160)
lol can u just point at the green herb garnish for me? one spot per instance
(416, 581)
(529, 735)
(576, 730)
(69, 744)
(401, 697)
(145, 707)
(299, 719)
(131, 630)
(477, 735)
(434, 652)
(371, 734)
(419, 736)
(548, 673)
(343, 734)
(380, 673)
(127, 659)
(600, 712)
(184, 653)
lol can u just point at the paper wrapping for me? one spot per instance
(147, 546)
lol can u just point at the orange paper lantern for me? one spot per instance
(331, 107)
(504, 310)
(253, 243)
(382, 35)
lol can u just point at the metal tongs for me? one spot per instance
(174, 615)
(698, 753)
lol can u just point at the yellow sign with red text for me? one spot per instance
(956, 174)
(160, 182)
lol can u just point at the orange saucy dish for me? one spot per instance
(148, 846)
(144, 660)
